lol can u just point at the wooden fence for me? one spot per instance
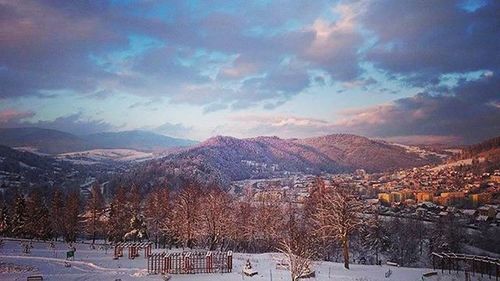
(133, 249)
(190, 262)
(467, 263)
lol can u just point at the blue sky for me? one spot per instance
(413, 71)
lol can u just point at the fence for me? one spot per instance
(468, 263)
(190, 262)
(133, 249)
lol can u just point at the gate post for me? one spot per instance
(230, 261)
(208, 262)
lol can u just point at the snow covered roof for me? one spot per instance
(482, 218)
(469, 212)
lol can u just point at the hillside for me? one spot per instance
(24, 169)
(139, 140)
(488, 149)
(56, 142)
(229, 158)
(43, 140)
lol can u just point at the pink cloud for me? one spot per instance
(12, 116)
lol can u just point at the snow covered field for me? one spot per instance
(90, 264)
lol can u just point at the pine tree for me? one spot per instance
(71, 217)
(19, 216)
(5, 223)
(373, 236)
(157, 210)
(94, 209)
(57, 213)
(37, 217)
(403, 246)
(118, 222)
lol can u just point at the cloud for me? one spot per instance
(336, 43)
(425, 139)
(422, 40)
(47, 47)
(275, 125)
(174, 129)
(74, 123)
(467, 111)
(10, 117)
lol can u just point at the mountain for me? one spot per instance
(25, 169)
(490, 147)
(229, 158)
(139, 140)
(56, 142)
(44, 140)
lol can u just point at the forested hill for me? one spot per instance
(224, 159)
(488, 147)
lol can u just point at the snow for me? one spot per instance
(464, 162)
(422, 153)
(24, 165)
(96, 264)
(97, 155)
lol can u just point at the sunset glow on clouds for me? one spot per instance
(387, 69)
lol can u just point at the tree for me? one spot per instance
(268, 223)
(338, 216)
(118, 216)
(244, 224)
(37, 223)
(156, 211)
(5, 223)
(137, 229)
(71, 216)
(299, 246)
(95, 206)
(216, 216)
(373, 236)
(185, 219)
(19, 216)
(299, 254)
(317, 192)
(57, 213)
(445, 236)
(403, 246)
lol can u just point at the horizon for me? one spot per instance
(405, 141)
(192, 70)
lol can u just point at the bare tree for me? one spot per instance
(298, 247)
(268, 223)
(216, 216)
(338, 216)
(185, 217)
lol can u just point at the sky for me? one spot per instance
(408, 71)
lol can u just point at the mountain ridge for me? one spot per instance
(231, 158)
(56, 142)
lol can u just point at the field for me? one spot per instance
(98, 264)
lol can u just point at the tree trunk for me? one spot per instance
(345, 246)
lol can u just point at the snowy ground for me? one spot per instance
(98, 265)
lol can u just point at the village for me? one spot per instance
(426, 193)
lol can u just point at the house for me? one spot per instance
(487, 210)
